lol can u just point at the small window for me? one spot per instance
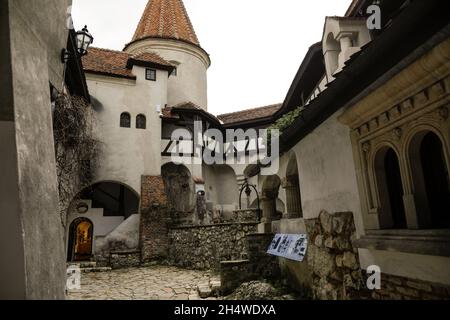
(150, 74)
(176, 64)
(141, 122)
(125, 120)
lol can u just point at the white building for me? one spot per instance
(354, 149)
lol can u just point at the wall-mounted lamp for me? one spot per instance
(84, 39)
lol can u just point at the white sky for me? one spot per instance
(256, 46)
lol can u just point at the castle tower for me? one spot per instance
(165, 28)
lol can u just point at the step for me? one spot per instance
(83, 264)
(204, 291)
(96, 269)
(212, 288)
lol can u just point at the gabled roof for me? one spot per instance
(306, 80)
(188, 108)
(119, 64)
(366, 70)
(249, 114)
(167, 19)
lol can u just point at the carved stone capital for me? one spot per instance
(366, 147)
(443, 113)
(397, 133)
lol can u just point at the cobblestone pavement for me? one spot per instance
(149, 283)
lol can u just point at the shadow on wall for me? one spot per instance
(179, 187)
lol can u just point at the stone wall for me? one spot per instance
(233, 274)
(400, 288)
(334, 262)
(259, 265)
(154, 241)
(125, 259)
(204, 247)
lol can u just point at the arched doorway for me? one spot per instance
(292, 186)
(431, 180)
(390, 189)
(80, 240)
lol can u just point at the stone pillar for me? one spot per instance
(154, 238)
(32, 246)
(269, 206)
(293, 198)
(346, 42)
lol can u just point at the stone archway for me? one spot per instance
(390, 189)
(431, 180)
(81, 240)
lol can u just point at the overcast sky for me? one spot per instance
(256, 46)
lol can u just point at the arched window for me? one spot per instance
(292, 187)
(141, 122)
(431, 180)
(125, 120)
(390, 189)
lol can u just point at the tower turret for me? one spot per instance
(165, 28)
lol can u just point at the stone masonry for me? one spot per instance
(400, 288)
(204, 247)
(260, 265)
(154, 241)
(334, 262)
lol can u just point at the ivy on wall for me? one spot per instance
(75, 148)
(287, 119)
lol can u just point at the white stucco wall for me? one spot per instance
(327, 173)
(128, 153)
(190, 84)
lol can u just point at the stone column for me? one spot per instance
(153, 230)
(269, 206)
(293, 200)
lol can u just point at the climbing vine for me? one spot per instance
(75, 148)
(287, 120)
(280, 125)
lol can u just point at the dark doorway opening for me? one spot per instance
(81, 233)
(390, 190)
(395, 189)
(437, 182)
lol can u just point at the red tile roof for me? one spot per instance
(166, 19)
(118, 63)
(249, 114)
(187, 105)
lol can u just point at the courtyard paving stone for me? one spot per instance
(146, 283)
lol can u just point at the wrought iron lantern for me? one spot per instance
(83, 40)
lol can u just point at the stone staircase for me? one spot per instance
(89, 266)
(209, 289)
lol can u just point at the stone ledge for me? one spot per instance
(425, 245)
(214, 225)
(235, 262)
(125, 252)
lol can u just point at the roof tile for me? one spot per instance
(115, 63)
(249, 114)
(166, 19)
